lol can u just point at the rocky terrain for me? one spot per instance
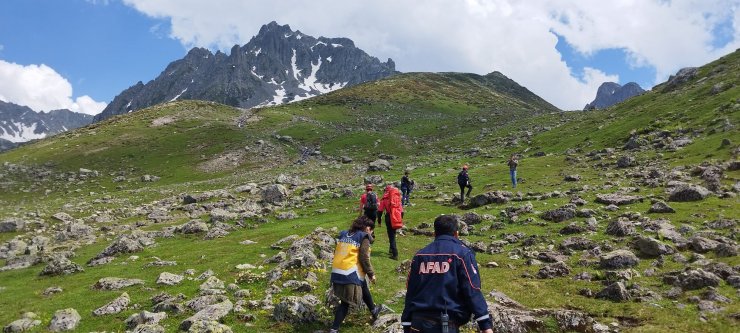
(625, 220)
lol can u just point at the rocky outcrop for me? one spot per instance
(293, 309)
(115, 306)
(611, 93)
(65, 320)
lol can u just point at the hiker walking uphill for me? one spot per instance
(390, 204)
(444, 288)
(407, 185)
(464, 181)
(513, 163)
(351, 268)
(369, 203)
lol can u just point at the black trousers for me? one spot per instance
(431, 325)
(343, 308)
(462, 191)
(371, 213)
(391, 237)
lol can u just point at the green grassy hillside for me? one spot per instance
(429, 124)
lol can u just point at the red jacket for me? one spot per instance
(390, 203)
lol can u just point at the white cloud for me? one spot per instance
(480, 36)
(42, 89)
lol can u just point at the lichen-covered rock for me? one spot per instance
(145, 317)
(65, 320)
(696, 279)
(617, 199)
(618, 259)
(294, 310)
(661, 207)
(688, 192)
(616, 292)
(27, 323)
(379, 165)
(169, 279)
(553, 270)
(117, 305)
(113, 283)
(60, 265)
(212, 282)
(620, 227)
(275, 194)
(192, 227)
(651, 247)
(213, 312)
(559, 215)
(12, 225)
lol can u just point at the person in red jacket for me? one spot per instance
(390, 204)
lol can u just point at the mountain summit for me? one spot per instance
(20, 124)
(611, 93)
(277, 66)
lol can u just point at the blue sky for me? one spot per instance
(79, 54)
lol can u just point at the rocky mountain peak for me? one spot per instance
(276, 66)
(610, 93)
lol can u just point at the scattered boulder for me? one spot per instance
(725, 250)
(113, 283)
(618, 259)
(688, 192)
(553, 270)
(192, 227)
(621, 227)
(616, 292)
(63, 217)
(65, 320)
(617, 199)
(294, 309)
(12, 225)
(27, 323)
(212, 312)
(169, 279)
(117, 305)
(661, 207)
(651, 247)
(693, 279)
(626, 162)
(275, 194)
(559, 215)
(702, 245)
(60, 265)
(145, 317)
(379, 165)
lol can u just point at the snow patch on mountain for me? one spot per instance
(19, 132)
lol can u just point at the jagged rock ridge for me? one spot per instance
(277, 66)
(611, 93)
(20, 124)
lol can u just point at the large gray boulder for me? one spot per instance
(651, 247)
(169, 279)
(379, 165)
(214, 312)
(65, 320)
(144, 317)
(620, 227)
(27, 323)
(60, 265)
(114, 283)
(553, 270)
(696, 279)
(616, 292)
(688, 192)
(294, 309)
(618, 259)
(617, 199)
(559, 215)
(275, 194)
(12, 225)
(115, 306)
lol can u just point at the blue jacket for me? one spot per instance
(444, 275)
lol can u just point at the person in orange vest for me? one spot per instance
(391, 205)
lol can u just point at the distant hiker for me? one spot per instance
(390, 203)
(464, 181)
(513, 163)
(369, 203)
(407, 185)
(351, 268)
(443, 288)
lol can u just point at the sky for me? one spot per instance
(80, 54)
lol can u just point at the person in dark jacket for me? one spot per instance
(406, 186)
(464, 181)
(443, 288)
(369, 203)
(513, 163)
(351, 268)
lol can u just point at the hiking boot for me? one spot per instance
(376, 312)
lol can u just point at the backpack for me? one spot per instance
(461, 178)
(371, 200)
(396, 208)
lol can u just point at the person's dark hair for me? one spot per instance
(360, 223)
(445, 225)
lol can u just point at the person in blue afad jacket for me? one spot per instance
(443, 287)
